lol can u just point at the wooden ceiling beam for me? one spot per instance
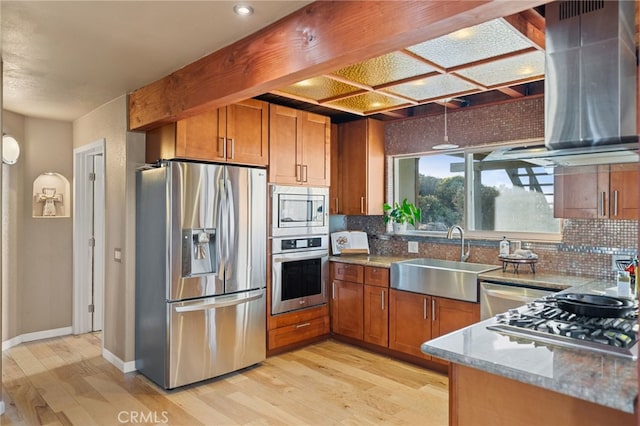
(531, 25)
(315, 40)
(512, 91)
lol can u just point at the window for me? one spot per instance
(485, 196)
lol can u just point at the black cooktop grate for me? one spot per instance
(544, 321)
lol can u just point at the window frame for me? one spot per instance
(468, 153)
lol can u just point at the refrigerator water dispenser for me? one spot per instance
(198, 252)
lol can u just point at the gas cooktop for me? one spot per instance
(544, 321)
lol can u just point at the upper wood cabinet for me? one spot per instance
(361, 157)
(590, 192)
(334, 188)
(236, 133)
(624, 187)
(299, 147)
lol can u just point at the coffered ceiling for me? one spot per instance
(503, 59)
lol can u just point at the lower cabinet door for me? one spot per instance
(376, 315)
(409, 322)
(347, 309)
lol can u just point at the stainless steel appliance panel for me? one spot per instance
(306, 287)
(299, 210)
(499, 298)
(214, 336)
(246, 260)
(196, 196)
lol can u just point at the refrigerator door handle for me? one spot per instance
(222, 302)
(231, 218)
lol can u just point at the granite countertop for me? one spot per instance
(608, 380)
(368, 260)
(542, 280)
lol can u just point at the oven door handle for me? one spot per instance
(307, 255)
(508, 295)
(222, 302)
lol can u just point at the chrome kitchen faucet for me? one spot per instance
(463, 256)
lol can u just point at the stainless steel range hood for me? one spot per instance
(590, 87)
(590, 77)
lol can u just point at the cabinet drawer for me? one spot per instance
(297, 317)
(295, 333)
(374, 275)
(348, 272)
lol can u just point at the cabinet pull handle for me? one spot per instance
(615, 203)
(433, 309)
(233, 148)
(424, 308)
(298, 172)
(337, 205)
(305, 173)
(382, 304)
(224, 147)
(362, 205)
(305, 324)
(603, 201)
(333, 290)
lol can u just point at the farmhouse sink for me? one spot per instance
(443, 278)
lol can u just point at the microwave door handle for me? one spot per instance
(222, 302)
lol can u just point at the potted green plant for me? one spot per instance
(400, 214)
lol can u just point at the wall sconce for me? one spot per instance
(10, 149)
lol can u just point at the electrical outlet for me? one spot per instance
(117, 255)
(412, 247)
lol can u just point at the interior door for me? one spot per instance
(96, 189)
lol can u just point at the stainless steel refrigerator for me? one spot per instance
(200, 271)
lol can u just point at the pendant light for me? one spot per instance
(445, 144)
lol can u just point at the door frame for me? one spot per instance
(82, 293)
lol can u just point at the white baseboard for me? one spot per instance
(125, 367)
(38, 335)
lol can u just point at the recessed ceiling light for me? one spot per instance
(243, 10)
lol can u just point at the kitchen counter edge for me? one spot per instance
(604, 379)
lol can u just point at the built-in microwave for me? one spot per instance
(299, 211)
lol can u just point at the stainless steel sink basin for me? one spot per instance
(443, 278)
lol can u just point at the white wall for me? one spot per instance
(37, 282)
(124, 151)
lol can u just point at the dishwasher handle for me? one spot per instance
(221, 302)
(508, 295)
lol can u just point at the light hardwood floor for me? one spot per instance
(66, 381)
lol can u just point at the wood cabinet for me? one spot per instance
(360, 302)
(409, 322)
(347, 292)
(376, 306)
(624, 187)
(288, 329)
(299, 147)
(236, 134)
(334, 188)
(590, 192)
(415, 318)
(361, 157)
(347, 318)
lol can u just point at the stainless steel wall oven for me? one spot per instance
(299, 272)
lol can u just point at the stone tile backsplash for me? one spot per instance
(586, 249)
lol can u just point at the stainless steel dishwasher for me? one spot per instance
(496, 298)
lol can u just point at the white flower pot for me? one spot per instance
(399, 228)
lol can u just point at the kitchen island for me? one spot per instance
(498, 379)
